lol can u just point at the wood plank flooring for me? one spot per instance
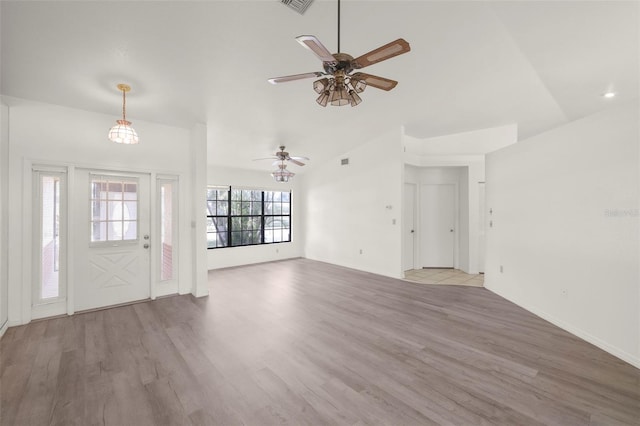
(306, 343)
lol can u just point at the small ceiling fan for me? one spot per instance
(282, 156)
(341, 87)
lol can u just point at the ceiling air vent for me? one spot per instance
(344, 162)
(298, 5)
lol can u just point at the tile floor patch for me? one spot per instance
(444, 277)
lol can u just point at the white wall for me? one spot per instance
(234, 256)
(566, 225)
(4, 210)
(350, 210)
(475, 175)
(198, 138)
(48, 134)
(462, 227)
(458, 145)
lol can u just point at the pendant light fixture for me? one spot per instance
(123, 132)
(282, 174)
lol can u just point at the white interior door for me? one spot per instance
(437, 225)
(111, 238)
(482, 228)
(409, 226)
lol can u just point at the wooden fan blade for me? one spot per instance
(389, 50)
(294, 77)
(295, 161)
(314, 45)
(301, 158)
(375, 81)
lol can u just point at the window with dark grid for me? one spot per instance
(242, 217)
(217, 217)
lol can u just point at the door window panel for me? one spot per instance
(114, 209)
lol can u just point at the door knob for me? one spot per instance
(450, 230)
(146, 237)
(412, 231)
(146, 246)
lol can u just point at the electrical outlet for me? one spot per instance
(277, 250)
(564, 292)
(360, 251)
(501, 269)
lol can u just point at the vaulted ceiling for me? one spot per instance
(472, 65)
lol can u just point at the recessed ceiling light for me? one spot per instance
(609, 95)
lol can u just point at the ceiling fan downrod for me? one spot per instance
(338, 26)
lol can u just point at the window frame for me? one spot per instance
(117, 179)
(262, 217)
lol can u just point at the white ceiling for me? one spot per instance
(473, 65)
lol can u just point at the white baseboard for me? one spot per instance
(617, 352)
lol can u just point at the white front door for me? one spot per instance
(111, 238)
(408, 226)
(437, 220)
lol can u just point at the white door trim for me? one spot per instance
(411, 189)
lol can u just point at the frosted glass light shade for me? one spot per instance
(358, 85)
(123, 133)
(282, 174)
(321, 85)
(323, 98)
(339, 97)
(354, 98)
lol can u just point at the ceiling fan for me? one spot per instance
(282, 156)
(341, 86)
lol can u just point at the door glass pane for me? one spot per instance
(114, 209)
(50, 237)
(167, 230)
(98, 231)
(115, 190)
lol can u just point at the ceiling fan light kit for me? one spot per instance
(282, 174)
(338, 86)
(122, 132)
(281, 157)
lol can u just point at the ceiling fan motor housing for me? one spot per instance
(344, 62)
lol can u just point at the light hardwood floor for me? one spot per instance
(301, 342)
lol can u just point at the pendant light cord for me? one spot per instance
(124, 102)
(338, 26)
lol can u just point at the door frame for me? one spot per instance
(81, 197)
(482, 226)
(24, 301)
(58, 305)
(414, 193)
